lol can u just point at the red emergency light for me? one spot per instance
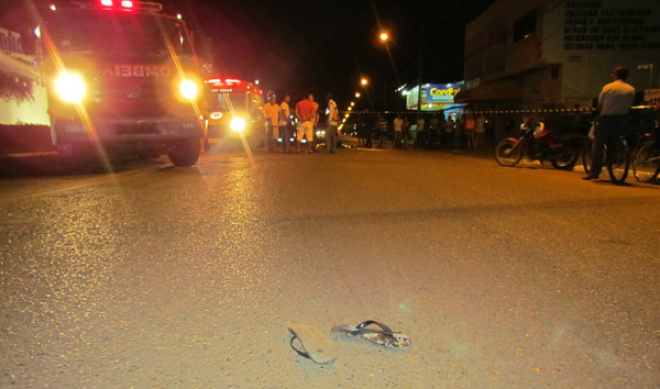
(225, 82)
(130, 5)
(123, 4)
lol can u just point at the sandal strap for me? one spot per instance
(385, 330)
(383, 327)
(296, 349)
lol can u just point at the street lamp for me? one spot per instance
(364, 81)
(384, 37)
(357, 95)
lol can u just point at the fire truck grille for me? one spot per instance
(141, 98)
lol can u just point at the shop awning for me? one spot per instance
(497, 90)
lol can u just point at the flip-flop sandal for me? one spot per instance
(313, 344)
(383, 336)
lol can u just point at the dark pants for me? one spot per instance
(270, 130)
(607, 132)
(285, 134)
(331, 138)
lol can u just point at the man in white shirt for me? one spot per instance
(614, 103)
(397, 125)
(333, 123)
(285, 134)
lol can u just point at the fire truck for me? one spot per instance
(233, 106)
(118, 75)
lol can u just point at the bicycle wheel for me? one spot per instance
(618, 162)
(646, 163)
(508, 153)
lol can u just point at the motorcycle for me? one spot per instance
(538, 143)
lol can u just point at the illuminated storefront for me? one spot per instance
(435, 97)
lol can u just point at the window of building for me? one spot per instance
(525, 26)
(554, 73)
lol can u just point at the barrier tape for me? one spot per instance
(490, 111)
(499, 111)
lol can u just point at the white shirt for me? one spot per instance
(398, 124)
(333, 114)
(616, 98)
(285, 112)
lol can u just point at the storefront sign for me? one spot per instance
(442, 93)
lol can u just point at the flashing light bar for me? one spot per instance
(130, 5)
(227, 81)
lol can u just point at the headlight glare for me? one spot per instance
(188, 89)
(71, 87)
(237, 124)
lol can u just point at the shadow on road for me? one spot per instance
(47, 165)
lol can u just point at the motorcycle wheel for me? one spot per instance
(618, 162)
(508, 153)
(565, 159)
(646, 164)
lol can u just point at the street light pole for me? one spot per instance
(384, 37)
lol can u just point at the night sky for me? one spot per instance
(319, 46)
(314, 46)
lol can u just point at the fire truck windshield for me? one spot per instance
(117, 33)
(226, 101)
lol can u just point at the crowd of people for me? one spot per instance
(455, 132)
(433, 130)
(306, 117)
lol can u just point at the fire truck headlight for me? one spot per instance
(237, 124)
(188, 89)
(71, 87)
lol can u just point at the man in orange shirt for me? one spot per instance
(306, 114)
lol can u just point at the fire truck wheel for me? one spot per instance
(185, 153)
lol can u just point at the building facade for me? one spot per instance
(531, 54)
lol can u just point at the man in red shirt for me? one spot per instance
(306, 114)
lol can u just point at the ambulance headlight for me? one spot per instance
(188, 89)
(70, 87)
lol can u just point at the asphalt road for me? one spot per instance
(161, 277)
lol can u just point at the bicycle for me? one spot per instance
(646, 163)
(618, 162)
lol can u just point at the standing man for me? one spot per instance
(449, 133)
(272, 113)
(421, 131)
(333, 123)
(306, 114)
(397, 125)
(285, 112)
(382, 130)
(614, 103)
(480, 131)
